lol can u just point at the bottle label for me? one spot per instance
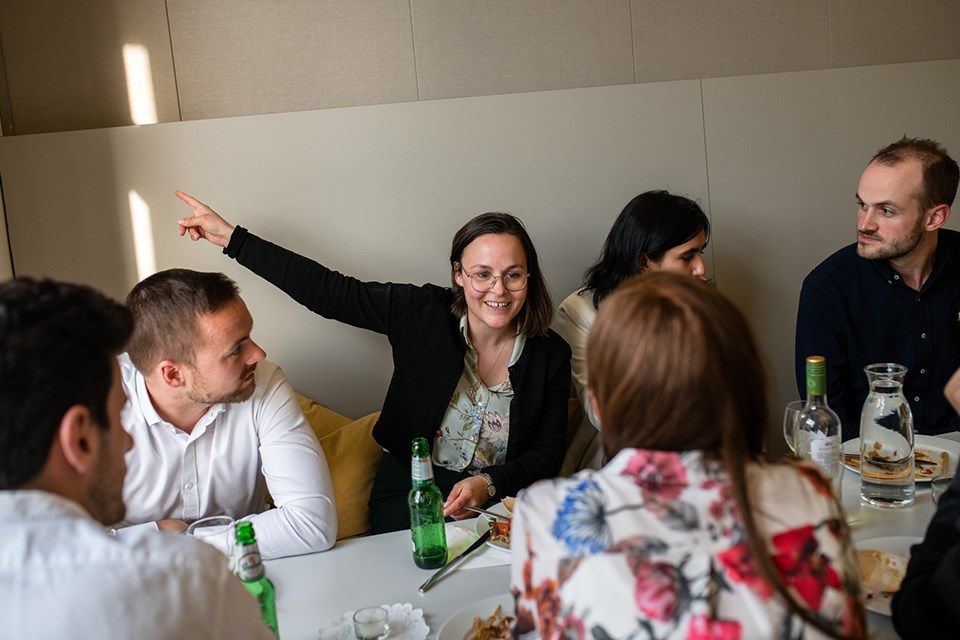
(421, 469)
(249, 566)
(825, 452)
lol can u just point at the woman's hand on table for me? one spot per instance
(471, 492)
(204, 223)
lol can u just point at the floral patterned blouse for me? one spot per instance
(475, 428)
(652, 546)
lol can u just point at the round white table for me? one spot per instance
(314, 590)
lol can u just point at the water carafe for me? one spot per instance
(886, 440)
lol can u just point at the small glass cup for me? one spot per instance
(790, 423)
(938, 486)
(217, 531)
(371, 623)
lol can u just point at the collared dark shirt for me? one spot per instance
(856, 312)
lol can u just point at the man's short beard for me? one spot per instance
(899, 248)
(236, 396)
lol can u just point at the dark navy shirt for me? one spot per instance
(856, 312)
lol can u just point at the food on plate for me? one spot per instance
(881, 571)
(500, 531)
(508, 504)
(492, 628)
(929, 462)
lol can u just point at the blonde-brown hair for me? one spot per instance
(674, 367)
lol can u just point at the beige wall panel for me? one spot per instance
(240, 57)
(65, 63)
(785, 154)
(864, 32)
(469, 48)
(676, 39)
(376, 192)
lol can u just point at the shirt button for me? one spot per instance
(896, 276)
(916, 398)
(922, 371)
(923, 335)
(188, 486)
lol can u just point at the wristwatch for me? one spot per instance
(491, 490)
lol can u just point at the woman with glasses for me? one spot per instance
(477, 370)
(656, 231)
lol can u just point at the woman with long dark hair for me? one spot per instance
(656, 231)
(477, 370)
(686, 532)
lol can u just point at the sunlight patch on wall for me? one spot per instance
(142, 236)
(136, 64)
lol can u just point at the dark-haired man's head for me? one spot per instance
(60, 393)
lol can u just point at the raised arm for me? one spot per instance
(204, 222)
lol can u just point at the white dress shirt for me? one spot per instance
(61, 576)
(237, 457)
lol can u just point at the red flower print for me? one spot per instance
(548, 609)
(803, 565)
(658, 472)
(659, 591)
(740, 568)
(703, 628)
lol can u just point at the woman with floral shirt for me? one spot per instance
(685, 533)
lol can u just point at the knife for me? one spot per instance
(492, 514)
(447, 567)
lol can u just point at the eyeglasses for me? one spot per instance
(483, 281)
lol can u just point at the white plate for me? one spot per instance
(899, 545)
(933, 443)
(483, 523)
(460, 625)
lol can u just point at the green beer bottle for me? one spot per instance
(426, 511)
(249, 568)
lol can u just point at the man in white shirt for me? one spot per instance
(219, 430)
(61, 476)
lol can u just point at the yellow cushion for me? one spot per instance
(353, 456)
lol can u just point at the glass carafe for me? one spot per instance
(886, 439)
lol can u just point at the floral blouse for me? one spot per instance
(652, 546)
(476, 426)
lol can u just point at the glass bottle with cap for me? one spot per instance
(818, 426)
(426, 510)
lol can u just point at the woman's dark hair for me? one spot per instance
(650, 225)
(661, 339)
(537, 313)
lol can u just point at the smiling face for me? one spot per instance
(497, 255)
(890, 221)
(685, 259)
(226, 360)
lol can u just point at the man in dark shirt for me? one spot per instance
(894, 295)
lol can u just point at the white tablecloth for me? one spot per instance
(315, 589)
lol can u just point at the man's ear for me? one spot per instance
(171, 373)
(79, 438)
(937, 217)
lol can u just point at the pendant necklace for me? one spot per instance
(494, 365)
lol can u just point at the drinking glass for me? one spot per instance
(216, 531)
(371, 623)
(790, 423)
